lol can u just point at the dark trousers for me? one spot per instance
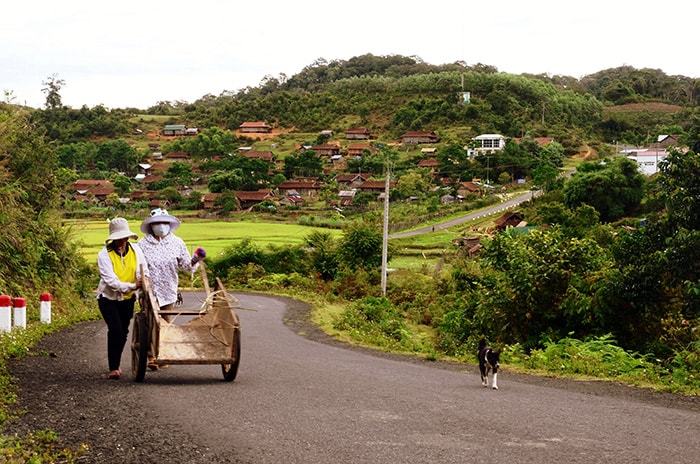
(117, 315)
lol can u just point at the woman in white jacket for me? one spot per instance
(119, 263)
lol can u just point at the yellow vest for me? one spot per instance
(124, 267)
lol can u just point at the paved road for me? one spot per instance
(302, 401)
(302, 398)
(506, 205)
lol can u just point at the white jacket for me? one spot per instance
(110, 286)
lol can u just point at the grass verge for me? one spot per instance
(40, 445)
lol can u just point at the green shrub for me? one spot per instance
(375, 321)
(596, 357)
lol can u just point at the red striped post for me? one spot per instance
(5, 313)
(20, 312)
(45, 308)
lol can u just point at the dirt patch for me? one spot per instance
(264, 135)
(654, 107)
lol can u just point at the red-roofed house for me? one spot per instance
(143, 195)
(327, 149)
(431, 163)
(248, 198)
(209, 200)
(664, 141)
(263, 155)
(357, 133)
(417, 137)
(376, 186)
(509, 219)
(292, 200)
(468, 188)
(159, 167)
(303, 188)
(88, 189)
(350, 181)
(87, 184)
(255, 127)
(358, 149)
(151, 178)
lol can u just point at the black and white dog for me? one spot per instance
(488, 360)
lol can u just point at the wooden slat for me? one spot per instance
(177, 312)
(195, 343)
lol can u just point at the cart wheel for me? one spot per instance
(230, 370)
(139, 347)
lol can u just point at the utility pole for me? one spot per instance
(488, 167)
(385, 233)
(543, 105)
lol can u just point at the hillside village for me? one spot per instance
(335, 152)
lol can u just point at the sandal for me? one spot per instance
(114, 375)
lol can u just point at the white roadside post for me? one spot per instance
(20, 313)
(45, 308)
(5, 313)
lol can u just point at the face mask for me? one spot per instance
(160, 230)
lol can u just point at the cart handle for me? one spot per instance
(205, 279)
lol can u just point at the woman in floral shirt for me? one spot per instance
(166, 254)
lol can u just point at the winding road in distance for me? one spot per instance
(506, 205)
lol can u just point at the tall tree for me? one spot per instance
(361, 246)
(52, 90)
(680, 185)
(305, 163)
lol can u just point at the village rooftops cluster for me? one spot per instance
(358, 144)
(291, 192)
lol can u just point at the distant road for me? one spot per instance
(506, 205)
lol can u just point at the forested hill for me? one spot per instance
(393, 94)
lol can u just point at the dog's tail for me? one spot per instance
(482, 344)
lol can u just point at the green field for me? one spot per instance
(214, 236)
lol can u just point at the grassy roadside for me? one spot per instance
(37, 446)
(595, 358)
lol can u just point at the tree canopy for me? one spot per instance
(614, 188)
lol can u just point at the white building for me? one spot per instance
(648, 159)
(489, 142)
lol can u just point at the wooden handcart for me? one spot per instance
(211, 334)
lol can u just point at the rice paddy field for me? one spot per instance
(213, 236)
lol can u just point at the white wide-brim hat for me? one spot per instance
(157, 216)
(119, 228)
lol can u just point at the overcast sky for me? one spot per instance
(131, 53)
